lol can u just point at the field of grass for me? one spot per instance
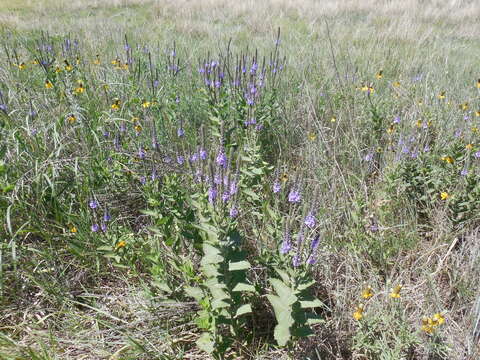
(239, 179)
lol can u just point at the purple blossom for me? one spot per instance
(93, 204)
(396, 119)
(154, 175)
(106, 216)
(103, 226)
(296, 260)
(426, 148)
(276, 187)
(368, 157)
(212, 194)
(95, 227)
(3, 107)
(222, 159)
(294, 196)
(458, 133)
(225, 196)
(143, 180)
(259, 127)
(315, 243)
(180, 160)
(233, 212)
(141, 153)
(180, 132)
(194, 157)
(177, 99)
(477, 154)
(312, 259)
(203, 154)
(217, 179)
(233, 188)
(286, 245)
(464, 172)
(310, 220)
(167, 159)
(155, 83)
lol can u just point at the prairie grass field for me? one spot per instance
(239, 179)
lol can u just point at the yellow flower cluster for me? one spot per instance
(429, 325)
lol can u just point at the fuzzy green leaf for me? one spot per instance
(239, 265)
(244, 309)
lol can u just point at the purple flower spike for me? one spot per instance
(312, 259)
(286, 245)
(203, 154)
(233, 188)
(141, 153)
(276, 187)
(310, 220)
(212, 194)
(296, 260)
(294, 196)
(222, 159)
(315, 242)
(233, 212)
(225, 196)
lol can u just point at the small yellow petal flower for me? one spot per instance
(379, 75)
(312, 136)
(73, 229)
(469, 146)
(120, 244)
(367, 293)
(427, 325)
(478, 83)
(441, 96)
(464, 106)
(444, 195)
(48, 84)
(115, 105)
(396, 84)
(146, 104)
(358, 314)
(71, 118)
(284, 177)
(395, 292)
(333, 119)
(438, 318)
(22, 66)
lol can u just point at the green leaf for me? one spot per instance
(194, 292)
(206, 343)
(313, 319)
(305, 304)
(306, 285)
(219, 304)
(284, 292)
(243, 287)
(239, 265)
(282, 334)
(244, 309)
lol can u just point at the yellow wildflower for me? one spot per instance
(441, 96)
(312, 136)
(438, 319)
(78, 60)
(478, 83)
(124, 66)
(58, 69)
(364, 88)
(358, 314)
(367, 293)
(71, 118)
(68, 67)
(469, 146)
(80, 88)
(35, 62)
(22, 66)
(333, 119)
(120, 244)
(48, 84)
(464, 106)
(427, 325)
(371, 90)
(391, 129)
(474, 129)
(477, 113)
(396, 84)
(138, 128)
(146, 104)
(73, 229)
(448, 159)
(284, 177)
(97, 60)
(395, 292)
(379, 75)
(444, 195)
(116, 105)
